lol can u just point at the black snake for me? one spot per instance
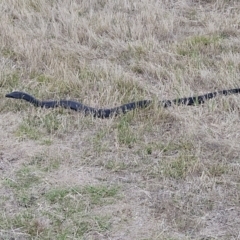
(106, 113)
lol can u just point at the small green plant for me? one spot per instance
(33, 126)
(75, 203)
(58, 194)
(197, 45)
(98, 140)
(100, 194)
(44, 79)
(115, 165)
(133, 52)
(22, 185)
(35, 6)
(47, 142)
(26, 130)
(217, 170)
(124, 133)
(179, 167)
(51, 122)
(137, 68)
(25, 178)
(45, 162)
(10, 81)
(8, 53)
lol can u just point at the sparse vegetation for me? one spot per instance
(150, 174)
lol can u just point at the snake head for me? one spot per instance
(16, 95)
(24, 96)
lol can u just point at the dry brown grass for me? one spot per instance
(151, 174)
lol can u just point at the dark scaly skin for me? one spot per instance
(108, 112)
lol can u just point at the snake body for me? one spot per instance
(106, 113)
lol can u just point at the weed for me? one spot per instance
(125, 134)
(198, 45)
(179, 167)
(101, 194)
(10, 81)
(25, 178)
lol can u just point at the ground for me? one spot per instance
(152, 173)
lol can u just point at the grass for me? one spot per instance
(152, 173)
(67, 210)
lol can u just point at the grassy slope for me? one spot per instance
(151, 174)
